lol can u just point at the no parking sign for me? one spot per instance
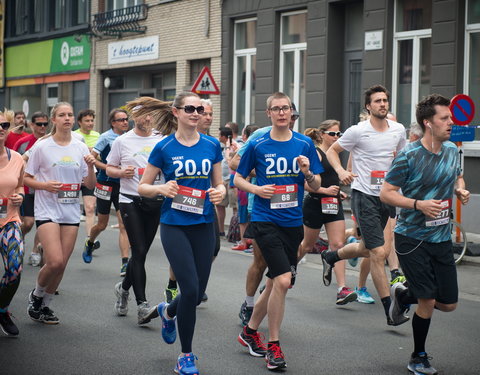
(463, 112)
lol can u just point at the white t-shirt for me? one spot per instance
(132, 150)
(50, 161)
(372, 153)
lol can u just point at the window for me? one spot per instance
(59, 16)
(21, 17)
(411, 57)
(79, 12)
(39, 16)
(293, 61)
(472, 57)
(120, 4)
(244, 68)
(196, 67)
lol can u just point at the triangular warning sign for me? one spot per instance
(205, 83)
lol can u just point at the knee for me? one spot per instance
(89, 209)
(27, 226)
(56, 265)
(101, 225)
(446, 307)
(336, 245)
(283, 282)
(378, 255)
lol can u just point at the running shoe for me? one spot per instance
(399, 279)
(123, 270)
(186, 365)
(87, 251)
(253, 342)
(245, 313)
(96, 245)
(275, 358)
(169, 330)
(34, 306)
(121, 306)
(204, 297)
(170, 294)
(34, 259)
(145, 313)
(397, 310)
(420, 365)
(248, 251)
(363, 296)
(47, 316)
(7, 325)
(327, 269)
(240, 247)
(345, 296)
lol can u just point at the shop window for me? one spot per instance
(472, 57)
(52, 95)
(196, 67)
(164, 83)
(244, 68)
(411, 57)
(26, 97)
(293, 59)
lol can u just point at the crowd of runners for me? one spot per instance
(167, 172)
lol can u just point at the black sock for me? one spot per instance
(406, 299)
(386, 304)
(172, 284)
(332, 257)
(124, 260)
(90, 242)
(420, 331)
(250, 331)
(395, 273)
(271, 343)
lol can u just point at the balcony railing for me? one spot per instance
(120, 21)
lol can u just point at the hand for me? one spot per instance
(52, 186)
(346, 177)
(332, 190)
(304, 164)
(16, 199)
(463, 195)
(169, 189)
(343, 195)
(216, 196)
(89, 159)
(265, 191)
(128, 172)
(430, 208)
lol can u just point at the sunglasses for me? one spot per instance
(41, 123)
(191, 108)
(5, 125)
(295, 117)
(121, 119)
(333, 134)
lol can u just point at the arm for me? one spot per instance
(333, 157)
(234, 161)
(217, 191)
(117, 172)
(312, 180)
(17, 198)
(90, 180)
(98, 163)
(265, 191)
(52, 186)
(462, 194)
(147, 189)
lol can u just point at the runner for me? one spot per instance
(190, 162)
(281, 159)
(11, 197)
(39, 126)
(107, 189)
(55, 169)
(428, 172)
(18, 131)
(127, 160)
(373, 145)
(324, 208)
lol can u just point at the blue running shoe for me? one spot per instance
(363, 296)
(419, 364)
(87, 251)
(186, 365)
(169, 331)
(354, 261)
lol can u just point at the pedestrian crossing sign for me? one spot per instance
(205, 83)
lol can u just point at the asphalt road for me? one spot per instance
(317, 336)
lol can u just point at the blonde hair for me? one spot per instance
(277, 95)
(314, 134)
(9, 115)
(53, 113)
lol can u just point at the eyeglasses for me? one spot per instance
(5, 125)
(41, 123)
(121, 119)
(295, 117)
(285, 108)
(191, 108)
(333, 134)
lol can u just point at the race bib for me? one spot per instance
(103, 191)
(443, 217)
(376, 179)
(141, 172)
(189, 200)
(3, 208)
(285, 196)
(330, 205)
(69, 193)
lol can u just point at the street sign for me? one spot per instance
(463, 109)
(462, 134)
(205, 83)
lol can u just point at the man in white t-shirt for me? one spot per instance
(373, 145)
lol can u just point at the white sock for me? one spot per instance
(47, 298)
(250, 301)
(39, 290)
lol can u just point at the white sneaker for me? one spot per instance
(35, 259)
(121, 306)
(146, 313)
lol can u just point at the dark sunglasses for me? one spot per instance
(333, 134)
(41, 123)
(121, 119)
(191, 108)
(295, 117)
(5, 125)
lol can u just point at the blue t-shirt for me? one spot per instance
(191, 167)
(103, 147)
(424, 175)
(255, 135)
(276, 163)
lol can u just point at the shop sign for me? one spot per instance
(373, 40)
(50, 56)
(132, 50)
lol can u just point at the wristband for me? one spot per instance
(23, 195)
(415, 205)
(310, 177)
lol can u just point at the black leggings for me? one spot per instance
(189, 250)
(141, 224)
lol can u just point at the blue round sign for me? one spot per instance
(463, 109)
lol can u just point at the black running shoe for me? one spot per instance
(253, 342)
(275, 358)
(204, 297)
(34, 306)
(245, 313)
(47, 316)
(7, 325)
(327, 269)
